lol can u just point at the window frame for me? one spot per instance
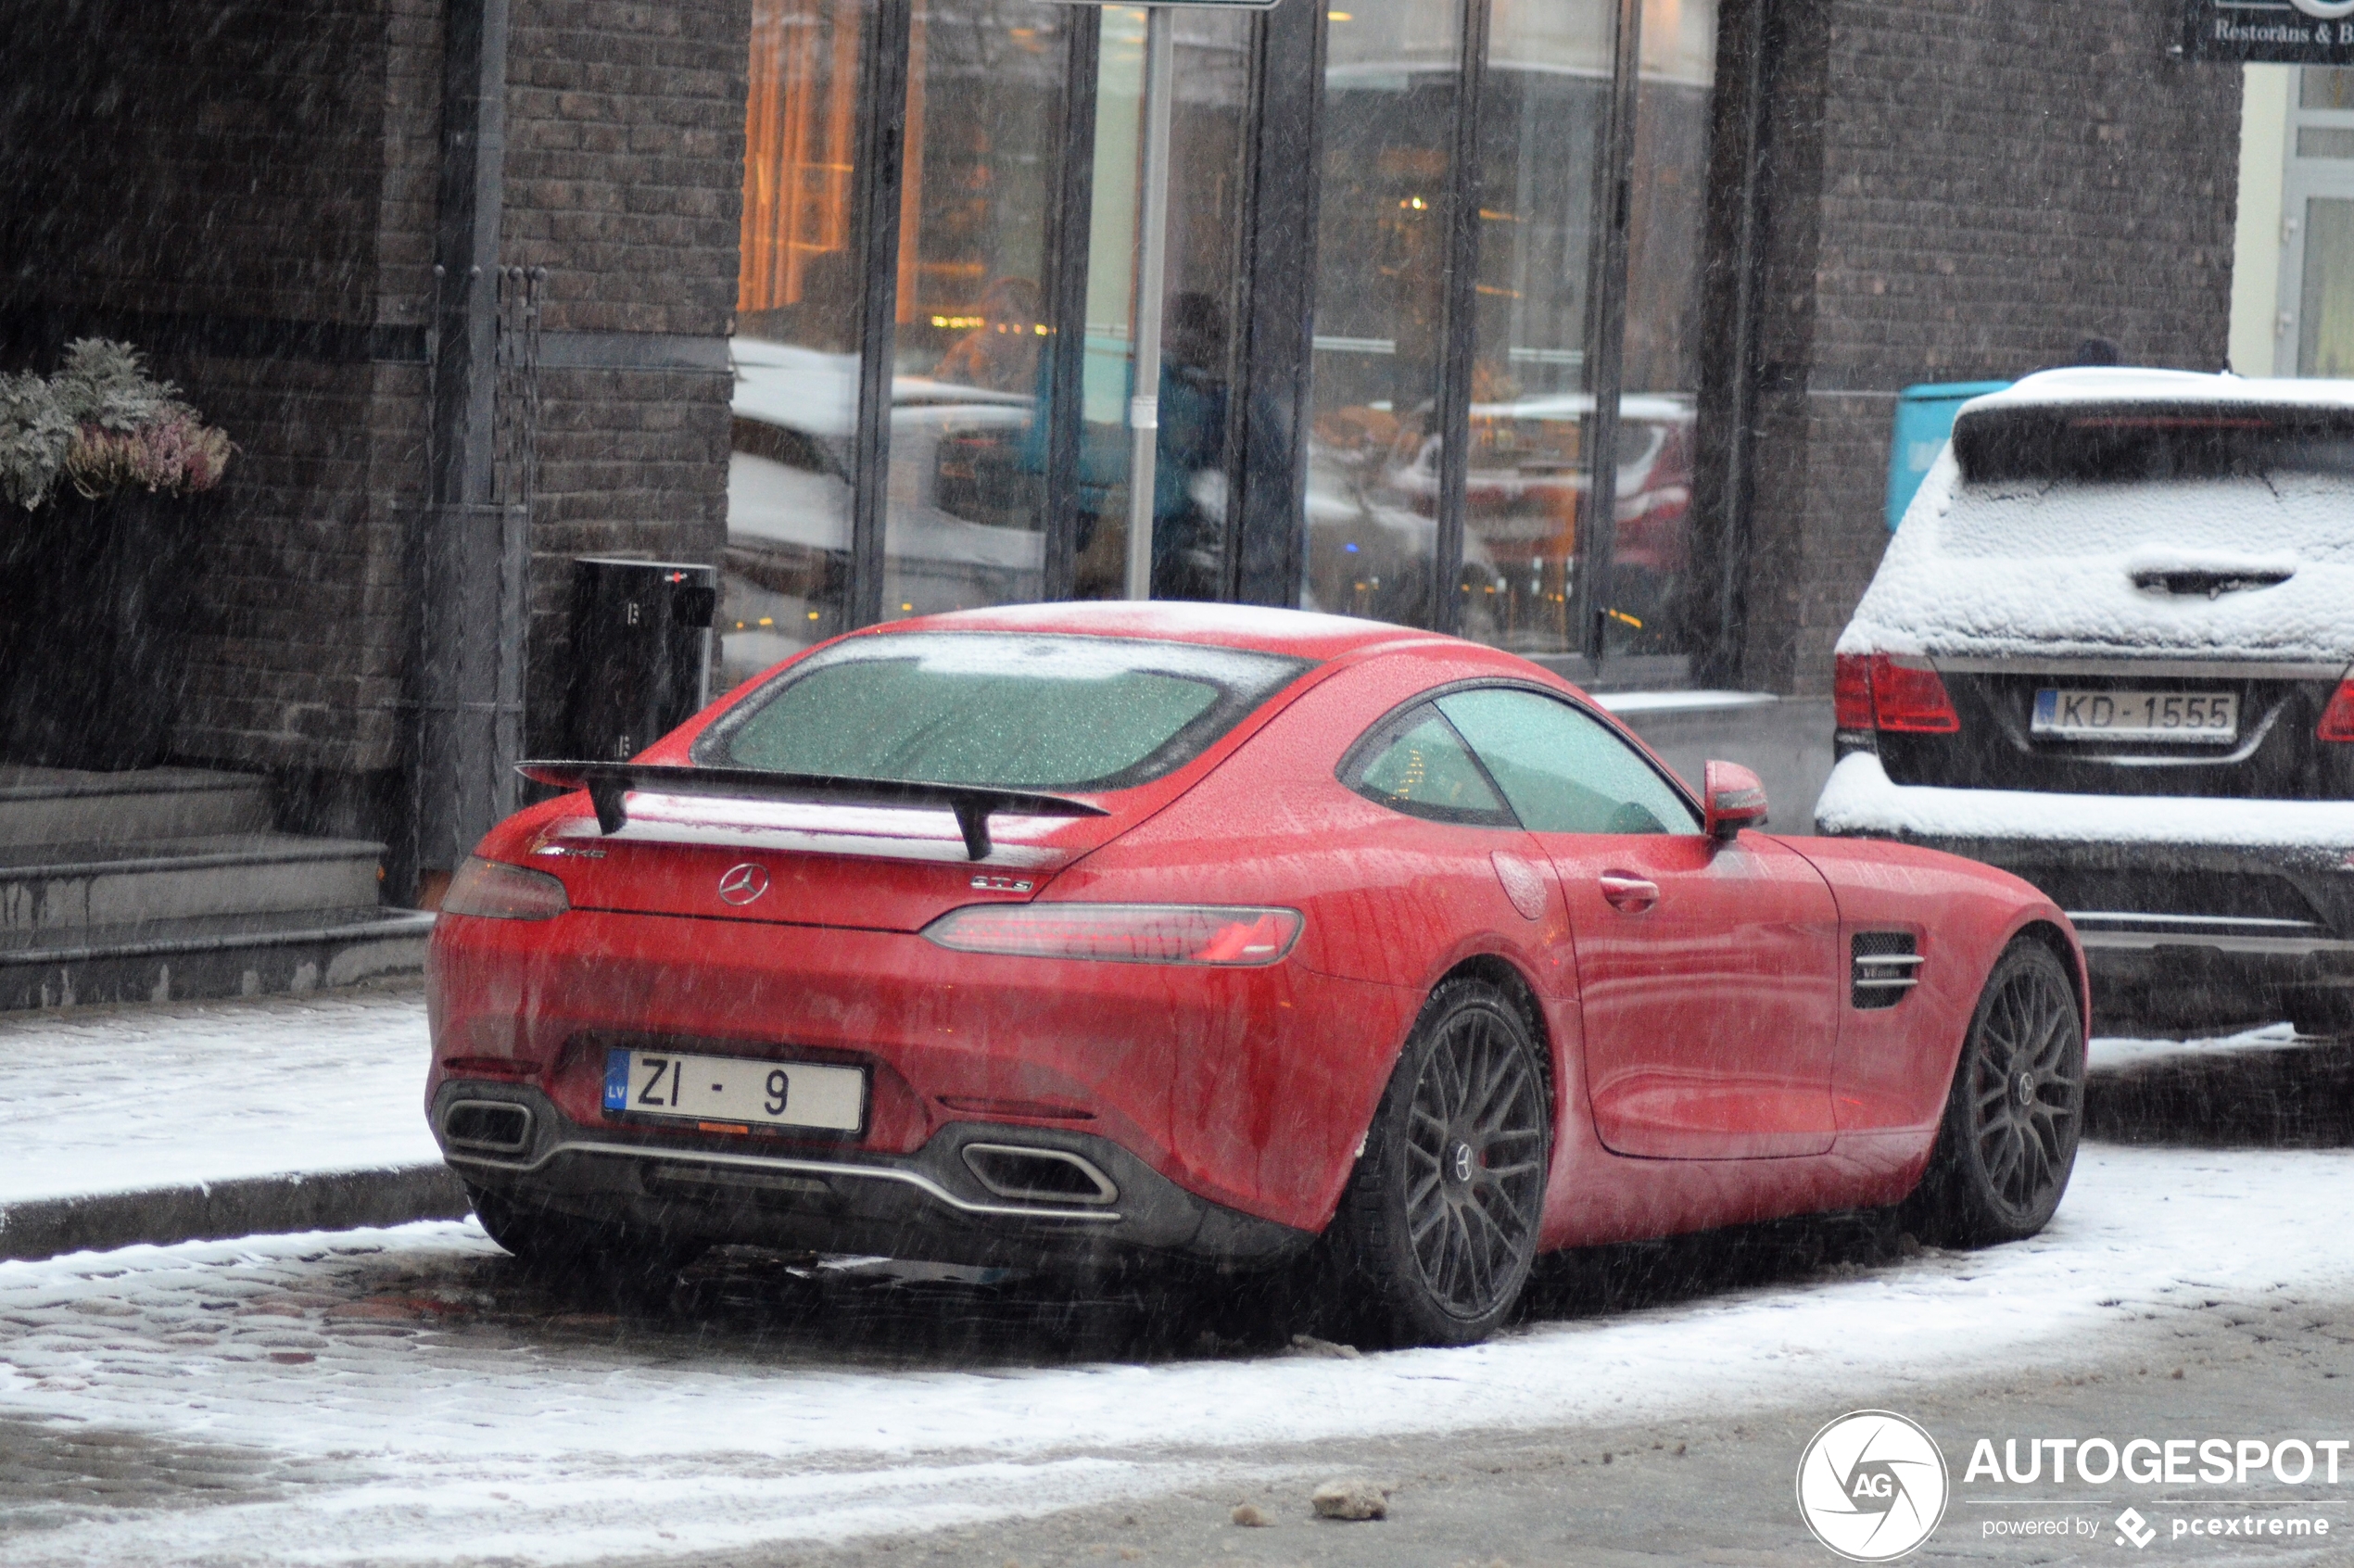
(1393, 725)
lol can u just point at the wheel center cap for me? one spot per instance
(1459, 1161)
(2023, 1089)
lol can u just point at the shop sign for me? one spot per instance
(2317, 33)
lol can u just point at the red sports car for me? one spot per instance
(1065, 935)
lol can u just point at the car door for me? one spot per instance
(1708, 972)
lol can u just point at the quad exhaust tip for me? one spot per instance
(1010, 1170)
(488, 1126)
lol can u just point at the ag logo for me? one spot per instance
(2327, 10)
(1872, 1486)
(743, 883)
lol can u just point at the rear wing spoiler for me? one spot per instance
(609, 783)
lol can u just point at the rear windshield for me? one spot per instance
(2044, 482)
(1018, 711)
(2131, 445)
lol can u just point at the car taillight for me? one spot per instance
(498, 892)
(1121, 933)
(2337, 719)
(1910, 700)
(1852, 691)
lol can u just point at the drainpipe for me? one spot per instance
(466, 679)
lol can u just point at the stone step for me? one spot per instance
(55, 805)
(209, 956)
(51, 889)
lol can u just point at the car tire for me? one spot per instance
(565, 1249)
(2016, 1111)
(1438, 1230)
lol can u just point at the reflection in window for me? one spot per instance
(796, 352)
(1428, 772)
(1543, 108)
(1199, 310)
(964, 519)
(1647, 608)
(1390, 96)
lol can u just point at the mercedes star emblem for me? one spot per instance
(743, 883)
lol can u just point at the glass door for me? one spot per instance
(994, 278)
(2317, 263)
(1508, 316)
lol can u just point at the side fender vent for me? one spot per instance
(1887, 965)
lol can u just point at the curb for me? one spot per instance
(339, 1200)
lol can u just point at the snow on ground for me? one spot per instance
(116, 1099)
(398, 1430)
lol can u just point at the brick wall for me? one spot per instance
(624, 179)
(1959, 190)
(248, 188)
(227, 185)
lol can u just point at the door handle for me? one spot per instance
(1629, 894)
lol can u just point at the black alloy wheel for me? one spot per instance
(2016, 1109)
(1438, 1227)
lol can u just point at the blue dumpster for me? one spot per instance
(1924, 420)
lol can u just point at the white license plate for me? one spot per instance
(2196, 716)
(735, 1089)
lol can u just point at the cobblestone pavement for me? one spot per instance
(410, 1396)
(407, 1395)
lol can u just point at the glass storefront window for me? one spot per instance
(1647, 608)
(1208, 130)
(964, 523)
(1377, 491)
(1544, 107)
(796, 352)
(1461, 270)
(1391, 92)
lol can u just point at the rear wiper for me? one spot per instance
(2210, 581)
(609, 782)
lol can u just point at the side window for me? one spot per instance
(1418, 764)
(1563, 771)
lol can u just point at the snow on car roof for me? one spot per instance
(2084, 385)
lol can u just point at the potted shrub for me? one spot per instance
(99, 545)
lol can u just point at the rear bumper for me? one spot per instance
(2190, 911)
(1240, 1092)
(932, 1205)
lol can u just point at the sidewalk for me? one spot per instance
(194, 1120)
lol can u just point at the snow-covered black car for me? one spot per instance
(2109, 650)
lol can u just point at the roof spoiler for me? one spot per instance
(609, 782)
(2086, 439)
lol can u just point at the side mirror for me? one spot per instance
(1735, 798)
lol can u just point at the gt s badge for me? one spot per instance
(1001, 884)
(740, 884)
